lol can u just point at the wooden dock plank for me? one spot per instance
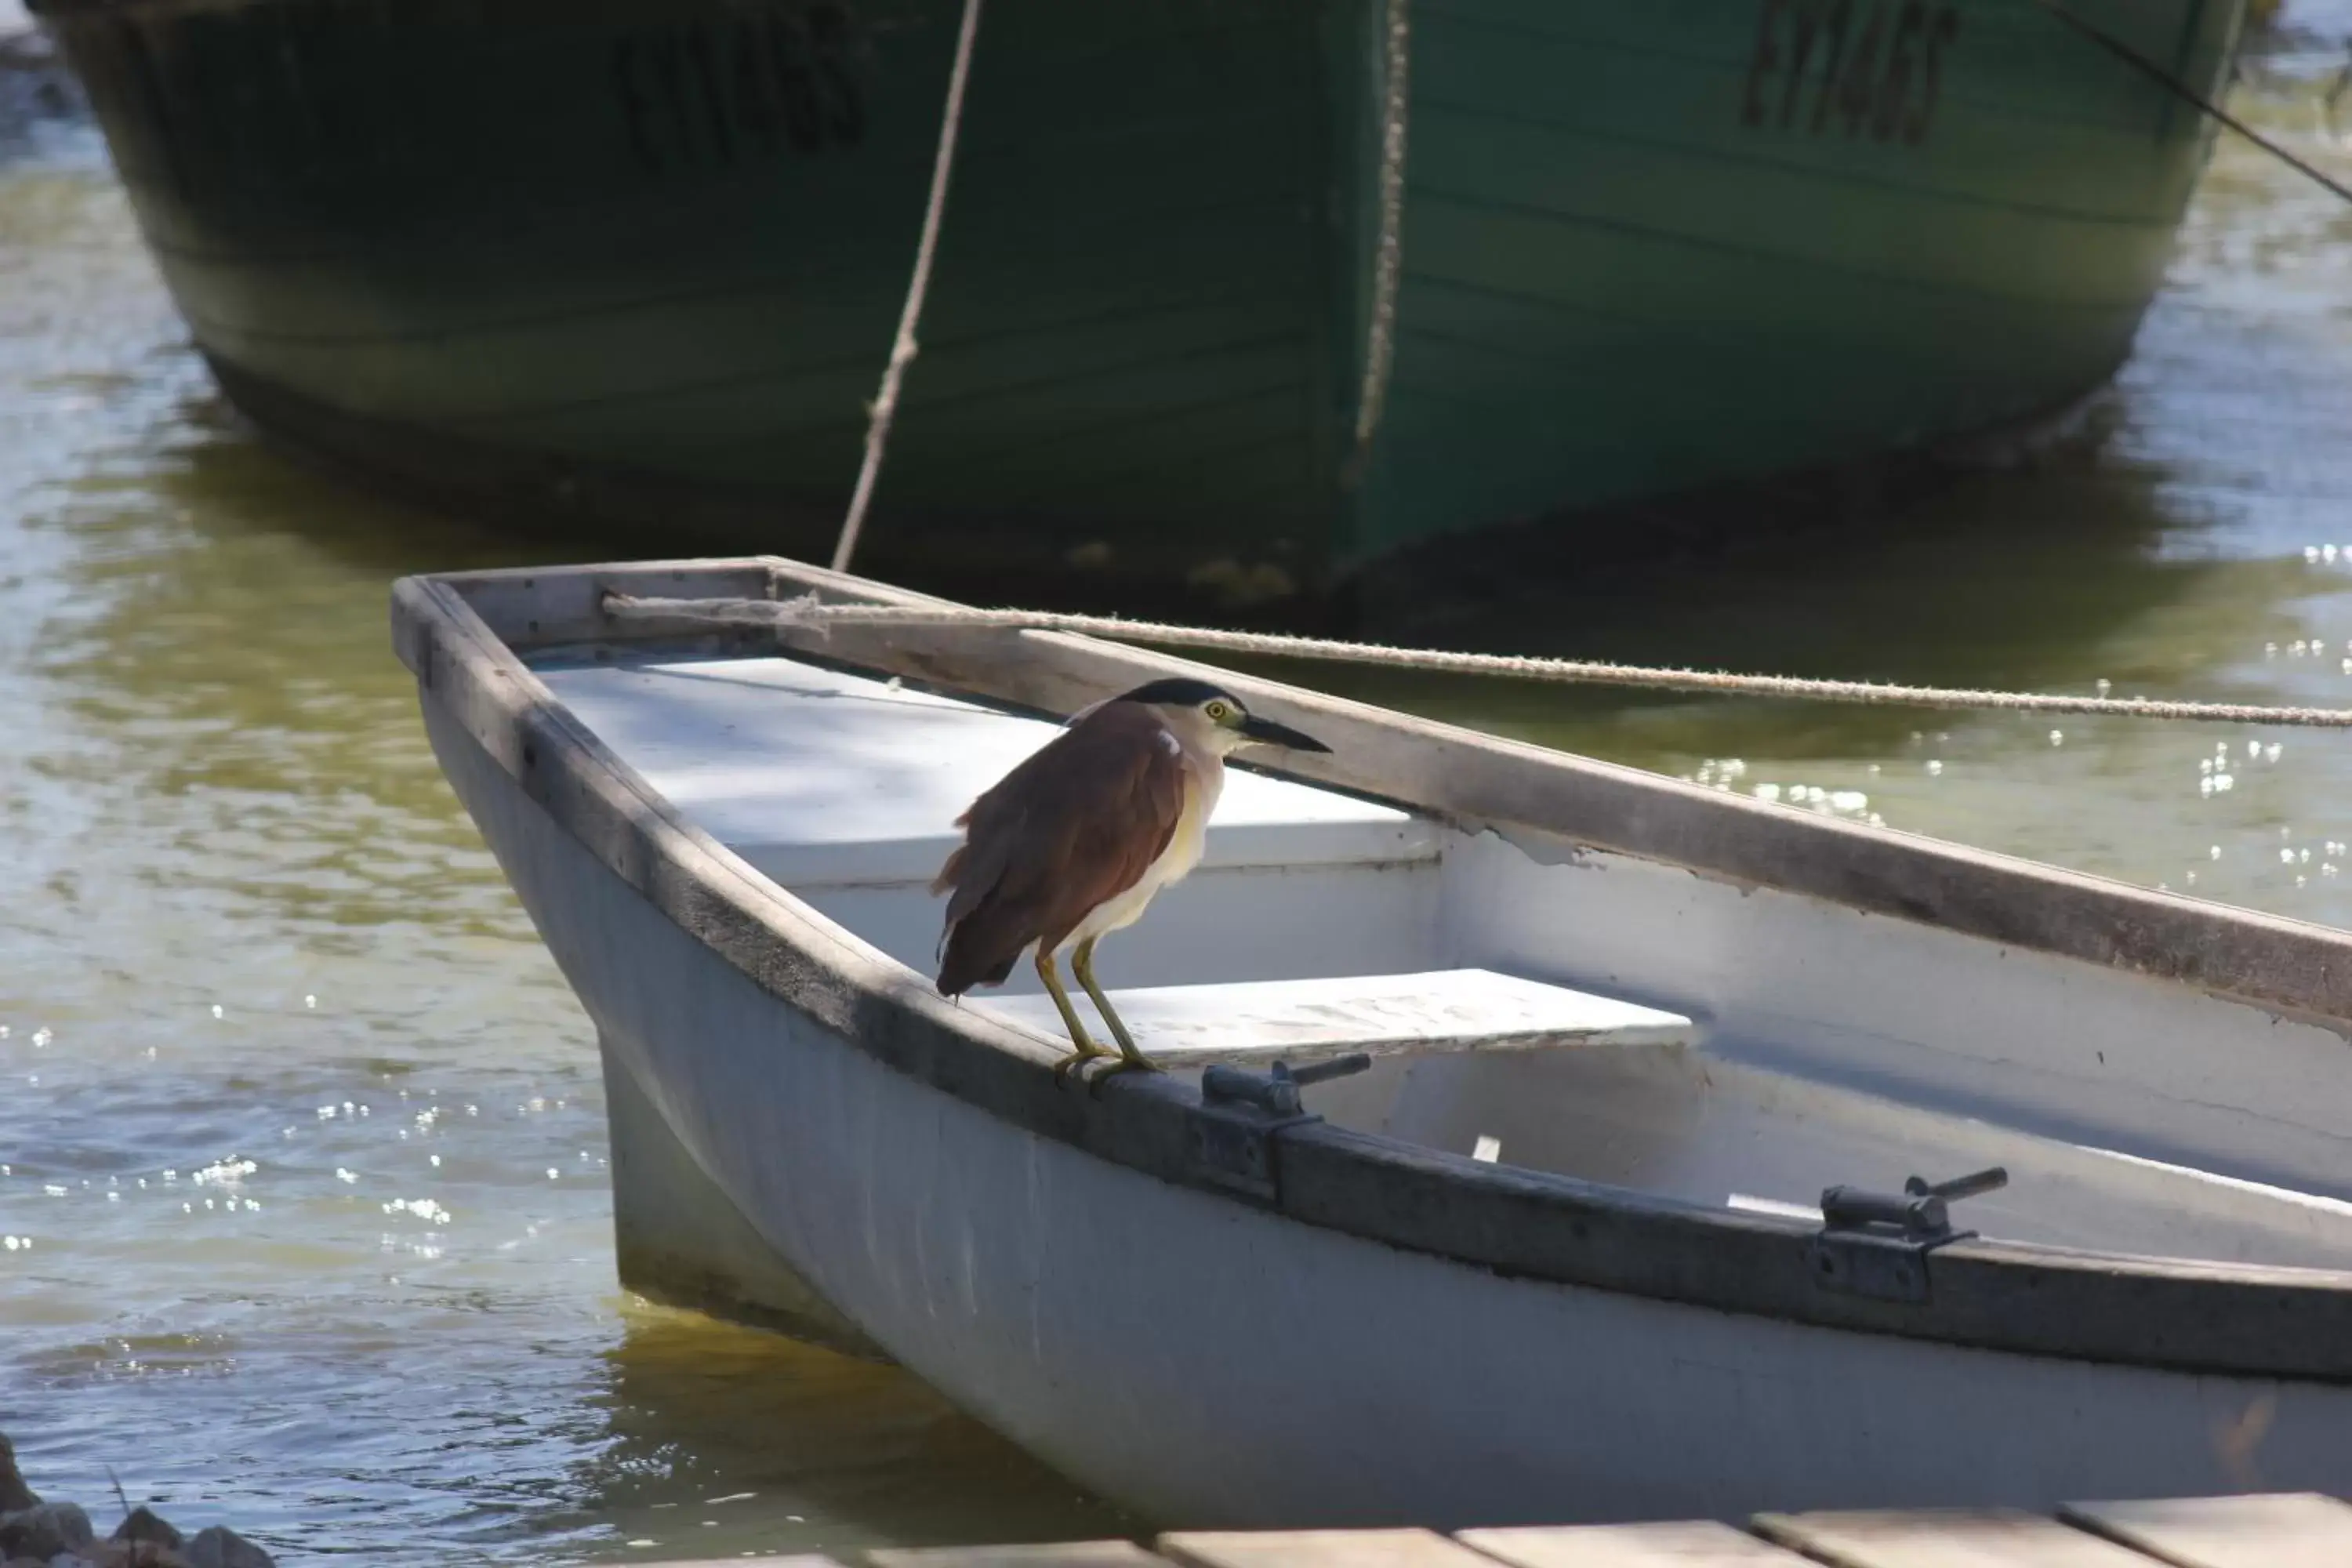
(2288, 1530)
(1319, 1549)
(1698, 1544)
(1046, 1555)
(1944, 1538)
(779, 1559)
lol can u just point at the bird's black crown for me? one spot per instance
(1178, 691)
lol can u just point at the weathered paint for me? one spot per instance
(644, 258)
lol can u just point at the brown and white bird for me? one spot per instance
(1075, 842)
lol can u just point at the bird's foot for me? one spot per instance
(1074, 1065)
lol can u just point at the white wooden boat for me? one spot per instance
(1560, 1254)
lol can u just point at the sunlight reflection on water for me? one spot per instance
(304, 1223)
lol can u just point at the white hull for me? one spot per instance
(1220, 1366)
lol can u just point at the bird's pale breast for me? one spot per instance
(1202, 785)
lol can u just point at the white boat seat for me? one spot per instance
(822, 779)
(1299, 1021)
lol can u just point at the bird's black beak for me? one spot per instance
(1266, 732)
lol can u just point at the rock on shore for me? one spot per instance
(37, 1535)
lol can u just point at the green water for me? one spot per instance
(242, 921)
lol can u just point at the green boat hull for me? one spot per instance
(1250, 293)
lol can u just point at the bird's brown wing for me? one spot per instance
(1077, 823)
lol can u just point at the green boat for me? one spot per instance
(1255, 294)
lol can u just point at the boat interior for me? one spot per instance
(1528, 1002)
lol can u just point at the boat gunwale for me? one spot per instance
(463, 634)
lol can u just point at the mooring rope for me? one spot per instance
(808, 612)
(1388, 247)
(902, 347)
(2182, 90)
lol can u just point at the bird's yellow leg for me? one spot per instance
(1082, 964)
(1084, 1048)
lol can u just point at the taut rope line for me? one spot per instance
(902, 347)
(2189, 95)
(807, 612)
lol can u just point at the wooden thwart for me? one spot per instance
(1435, 1013)
(821, 778)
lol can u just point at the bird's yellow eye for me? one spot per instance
(1218, 713)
